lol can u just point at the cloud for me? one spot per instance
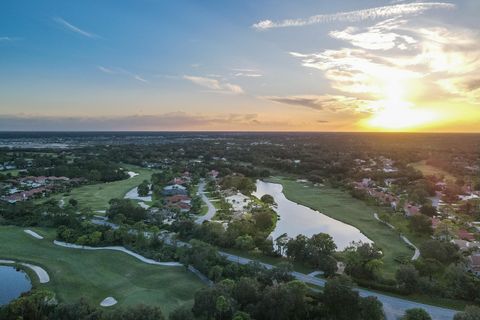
(248, 73)
(327, 102)
(67, 25)
(106, 70)
(121, 71)
(357, 15)
(160, 122)
(9, 39)
(396, 53)
(377, 37)
(356, 70)
(214, 84)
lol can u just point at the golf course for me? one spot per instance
(97, 196)
(429, 170)
(96, 275)
(341, 206)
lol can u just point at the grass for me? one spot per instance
(274, 261)
(97, 196)
(13, 172)
(96, 275)
(429, 170)
(339, 205)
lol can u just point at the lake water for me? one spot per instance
(12, 284)
(296, 219)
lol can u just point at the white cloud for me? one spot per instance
(324, 102)
(248, 73)
(357, 15)
(9, 39)
(398, 53)
(377, 37)
(73, 28)
(106, 70)
(120, 71)
(214, 84)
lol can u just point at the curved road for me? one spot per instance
(394, 307)
(211, 208)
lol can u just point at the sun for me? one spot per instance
(395, 114)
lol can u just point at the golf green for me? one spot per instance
(96, 275)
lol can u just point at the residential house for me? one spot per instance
(473, 264)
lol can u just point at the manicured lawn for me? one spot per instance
(96, 275)
(343, 207)
(97, 196)
(429, 170)
(13, 172)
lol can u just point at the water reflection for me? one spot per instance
(12, 284)
(296, 219)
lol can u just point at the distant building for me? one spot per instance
(465, 235)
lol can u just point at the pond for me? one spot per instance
(12, 284)
(295, 219)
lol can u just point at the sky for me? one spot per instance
(271, 65)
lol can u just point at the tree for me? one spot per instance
(320, 246)
(246, 291)
(407, 276)
(77, 310)
(363, 260)
(371, 309)
(245, 242)
(73, 202)
(181, 313)
(428, 267)
(340, 301)
(127, 208)
(328, 265)
(143, 189)
(442, 251)
(416, 314)
(286, 301)
(421, 224)
(268, 199)
(428, 210)
(139, 312)
(470, 313)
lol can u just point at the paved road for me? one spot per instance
(211, 208)
(394, 307)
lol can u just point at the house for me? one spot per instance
(239, 202)
(213, 174)
(466, 245)
(181, 206)
(473, 264)
(178, 198)
(174, 189)
(411, 210)
(465, 235)
(178, 181)
(435, 222)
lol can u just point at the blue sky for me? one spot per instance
(214, 65)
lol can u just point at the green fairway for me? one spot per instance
(343, 207)
(429, 170)
(97, 196)
(96, 275)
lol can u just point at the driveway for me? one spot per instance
(211, 208)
